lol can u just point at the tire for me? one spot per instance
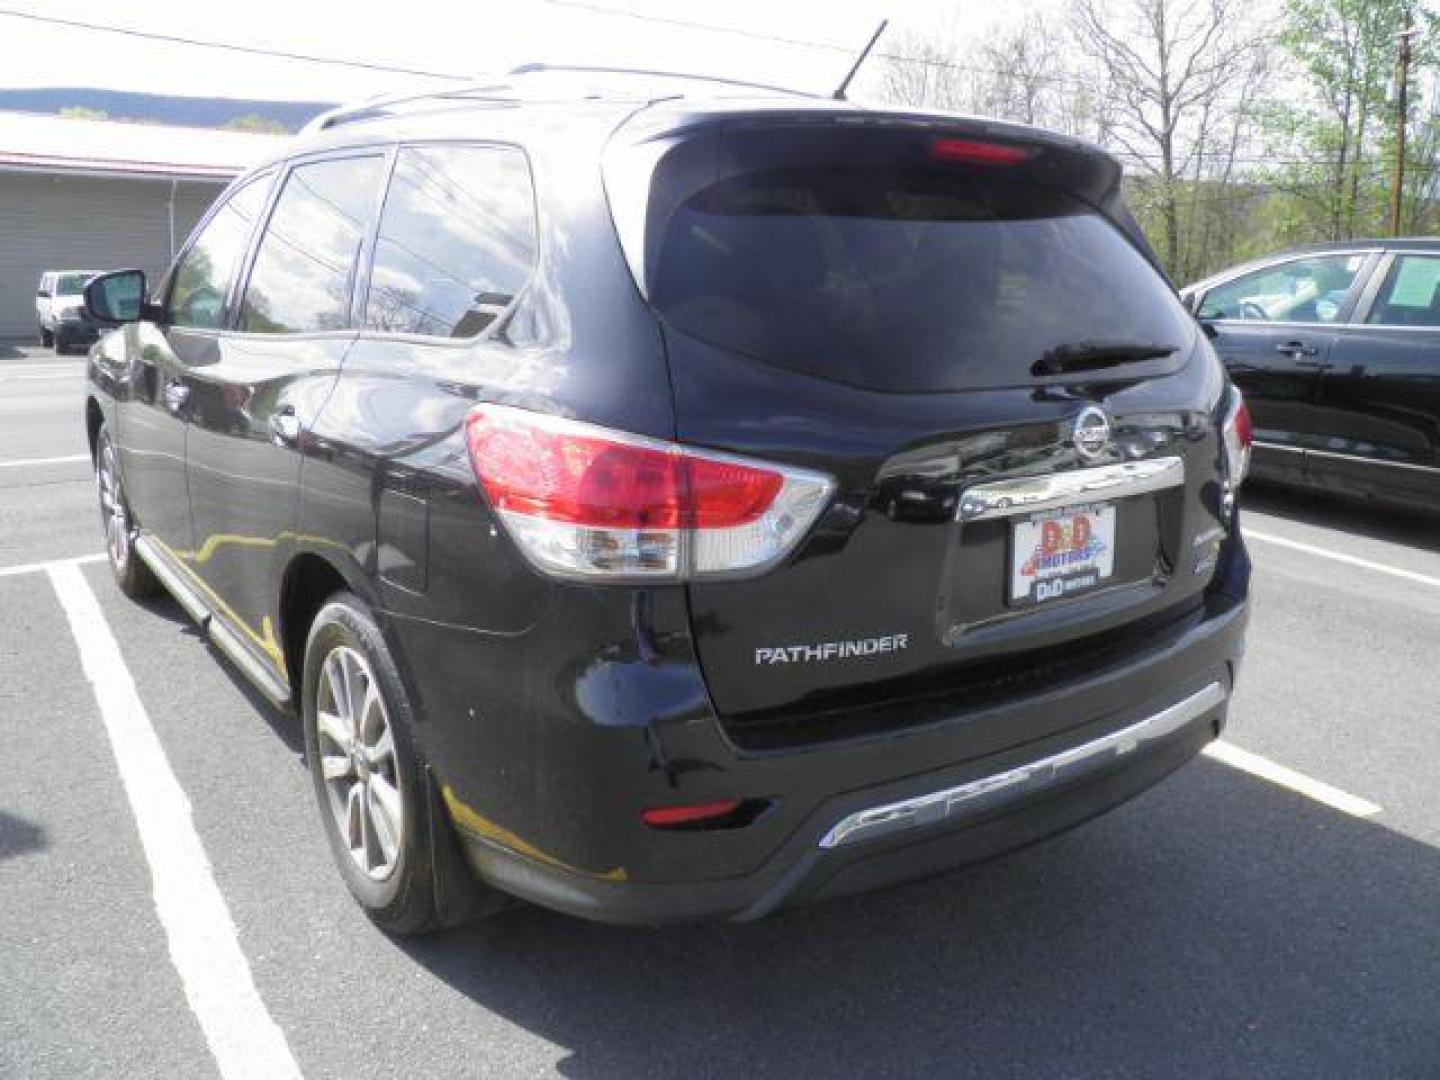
(47, 338)
(401, 873)
(118, 524)
(62, 347)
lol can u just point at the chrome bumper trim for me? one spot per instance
(991, 791)
(1029, 494)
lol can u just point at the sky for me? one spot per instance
(480, 37)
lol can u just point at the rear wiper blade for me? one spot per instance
(1095, 355)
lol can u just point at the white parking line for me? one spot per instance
(25, 463)
(1297, 782)
(73, 368)
(41, 567)
(245, 1040)
(1341, 557)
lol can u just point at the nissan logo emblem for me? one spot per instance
(1092, 433)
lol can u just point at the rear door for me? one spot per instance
(264, 379)
(1380, 392)
(1276, 327)
(874, 304)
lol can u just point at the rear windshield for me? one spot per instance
(906, 279)
(71, 284)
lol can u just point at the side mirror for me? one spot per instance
(44, 293)
(116, 297)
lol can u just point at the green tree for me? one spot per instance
(1332, 134)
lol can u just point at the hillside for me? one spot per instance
(158, 108)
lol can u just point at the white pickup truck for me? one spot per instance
(59, 294)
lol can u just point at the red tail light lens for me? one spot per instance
(576, 478)
(1238, 436)
(583, 501)
(724, 493)
(972, 152)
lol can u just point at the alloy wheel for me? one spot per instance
(114, 517)
(358, 762)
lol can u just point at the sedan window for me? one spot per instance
(1411, 293)
(1310, 290)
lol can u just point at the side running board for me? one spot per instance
(216, 629)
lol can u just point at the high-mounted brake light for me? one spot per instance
(973, 152)
(1239, 436)
(584, 501)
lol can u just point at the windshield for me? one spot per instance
(907, 279)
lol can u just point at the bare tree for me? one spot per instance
(928, 74)
(1023, 75)
(1017, 74)
(1171, 71)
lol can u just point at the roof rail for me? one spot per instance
(587, 69)
(504, 89)
(374, 105)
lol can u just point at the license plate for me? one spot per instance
(1061, 553)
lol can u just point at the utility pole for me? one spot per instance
(1402, 115)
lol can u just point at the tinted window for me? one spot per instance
(1304, 290)
(72, 284)
(202, 278)
(904, 279)
(456, 240)
(1411, 293)
(305, 264)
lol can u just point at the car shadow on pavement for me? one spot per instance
(286, 728)
(1378, 521)
(1216, 927)
(17, 836)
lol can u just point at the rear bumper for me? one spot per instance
(935, 819)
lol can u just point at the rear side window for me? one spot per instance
(305, 265)
(1411, 293)
(72, 284)
(204, 274)
(456, 240)
(905, 279)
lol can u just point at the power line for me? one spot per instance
(252, 50)
(802, 43)
(671, 21)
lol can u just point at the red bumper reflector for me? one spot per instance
(661, 817)
(971, 152)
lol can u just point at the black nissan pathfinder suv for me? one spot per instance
(663, 500)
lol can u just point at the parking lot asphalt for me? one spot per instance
(1222, 925)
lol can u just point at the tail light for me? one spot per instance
(1238, 436)
(583, 501)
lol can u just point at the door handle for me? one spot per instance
(176, 393)
(1295, 349)
(285, 426)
